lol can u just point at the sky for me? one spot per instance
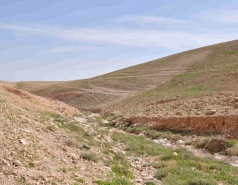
(58, 40)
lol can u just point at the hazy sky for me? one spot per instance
(75, 39)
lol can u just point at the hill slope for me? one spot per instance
(193, 87)
(48, 142)
(201, 71)
(100, 91)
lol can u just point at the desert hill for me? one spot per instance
(195, 91)
(198, 72)
(100, 91)
(45, 141)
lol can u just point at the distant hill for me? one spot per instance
(193, 73)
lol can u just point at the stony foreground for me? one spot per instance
(48, 142)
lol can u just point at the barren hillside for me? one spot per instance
(95, 93)
(198, 72)
(202, 99)
(176, 92)
(45, 141)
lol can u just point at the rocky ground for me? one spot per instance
(48, 142)
(44, 142)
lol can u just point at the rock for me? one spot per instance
(51, 127)
(64, 149)
(105, 121)
(4, 162)
(23, 141)
(8, 171)
(80, 120)
(210, 112)
(178, 114)
(113, 123)
(64, 160)
(179, 142)
(236, 106)
(51, 119)
(234, 158)
(17, 163)
(112, 151)
(123, 152)
(236, 99)
(161, 141)
(217, 156)
(200, 143)
(36, 163)
(142, 134)
(167, 144)
(198, 113)
(232, 151)
(85, 146)
(73, 156)
(94, 115)
(27, 131)
(25, 178)
(74, 161)
(45, 179)
(27, 108)
(139, 180)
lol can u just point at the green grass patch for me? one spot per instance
(114, 181)
(45, 116)
(179, 165)
(122, 171)
(138, 145)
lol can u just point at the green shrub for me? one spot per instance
(89, 156)
(149, 183)
(161, 173)
(122, 171)
(114, 181)
(200, 182)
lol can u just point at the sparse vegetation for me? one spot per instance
(179, 165)
(149, 183)
(46, 116)
(217, 144)
(115, 181)
(80, 180)
(89, 156)
(122, 171)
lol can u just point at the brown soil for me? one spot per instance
(34, 150)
